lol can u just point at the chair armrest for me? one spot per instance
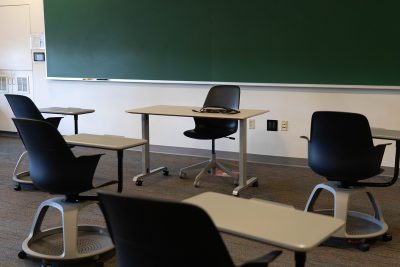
(383, 145)
(263, 260)
(93, 160)
(55, 121)
(87, 164)
(305, 137)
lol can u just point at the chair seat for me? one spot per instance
(207, 135)
(350, 180)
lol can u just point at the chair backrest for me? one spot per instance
(52, 165)
(23, 107)
(341, 146)
(223, 96)
(150, 233)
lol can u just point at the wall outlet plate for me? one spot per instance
(284, 125)
(252, 124)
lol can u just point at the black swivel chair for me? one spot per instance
(220, 96)
(154, 235)
(341, 149)
(23, 107)
(55, 169)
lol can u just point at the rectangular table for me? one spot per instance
(108, 142)
(67, 111)
(393, 135)
(184, 111)
(268, 222)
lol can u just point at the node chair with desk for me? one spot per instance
(341, 149)
(23, 107)
(154, 235)
(225, 97)
(55, 169)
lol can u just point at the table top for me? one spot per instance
(381, 133)
(66, 111)
(111, 142)
(185, 111)
(266, 221)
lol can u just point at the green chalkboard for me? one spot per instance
(352, 42)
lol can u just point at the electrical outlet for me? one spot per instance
(284, 125)
(252, 124)
(272, 125)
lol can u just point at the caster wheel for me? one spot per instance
(255, 184)
(139, 183)
(165, 172)
(196, 184)
(182, 175)
(363, 247)
(22, 255)
(387, 237)
(17, 188)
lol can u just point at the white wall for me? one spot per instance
(292, 104)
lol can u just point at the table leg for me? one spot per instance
(300, 258)
(243, 181)
(138, 179)
(76, 123)
(146, 147)
(120, 155)
(396, 160)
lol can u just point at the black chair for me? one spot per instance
(220, 96)
(23, 107)
(55, 169)
(153, 234)
(342, 150)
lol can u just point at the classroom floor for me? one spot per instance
(288, 185)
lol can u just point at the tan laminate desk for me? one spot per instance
(109, 142)
(268, 222)
(67, 111)
(184, 111)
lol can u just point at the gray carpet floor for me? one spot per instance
(284, 184)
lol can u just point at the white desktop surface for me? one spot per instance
(111, 142)
(267, 222)
(185, 111)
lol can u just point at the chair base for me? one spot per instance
(70, 241)
(209, 165)
(357, 225)
(21, 178)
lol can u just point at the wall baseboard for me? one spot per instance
(8, 134)
(197, 152)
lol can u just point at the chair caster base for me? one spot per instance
(364, 247)
(165, 172)
(99, 264)
(139, 182)
(359, 244)
(387, 237)
(22, 255)
(255, 184)
(182, 175)
(17, 187)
